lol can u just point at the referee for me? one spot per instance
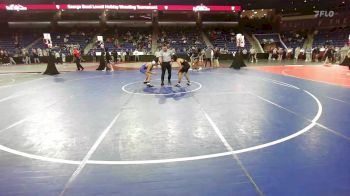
(165, 59)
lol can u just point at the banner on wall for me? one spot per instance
(196, 8)
(240, 40)
(47, 40)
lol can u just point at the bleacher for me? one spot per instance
(7, 41)
(125, 40)
(336, 37)
(272, 38)
(267, 38)
(222, 39)
(58, 39)
(293, 40)
(182, 40)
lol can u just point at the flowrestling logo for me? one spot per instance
(323, 13)
(16, 7)
(201, 8)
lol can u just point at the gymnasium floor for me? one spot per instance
(258, 131)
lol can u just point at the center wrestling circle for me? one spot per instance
(138, 88)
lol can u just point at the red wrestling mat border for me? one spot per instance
(335, 75)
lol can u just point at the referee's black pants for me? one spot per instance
(77, 62)
(166, 66)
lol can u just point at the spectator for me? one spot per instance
(308, 55)
(302, 55)
(93, 54)
(297, 52)
(343, 52)
(4, 58)
(252, 55)
(244, 52)
(270, 51)
(208, 56)
(40, 52)
(329, 53)
(157, 54)
(321, 53)
(45, 52)
(280, 54)
(336, 55)
(115, 56)
(274, 54)
(12, 62)
(289, 54)
(63, 57)
(122, 55)
(136, 53)
(27, 59)
(127, 55)
(57, 57)
(77, 58)
(216, 57)
(315, 54)
(35, 56)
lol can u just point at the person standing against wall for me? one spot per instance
(216, 57)
(252, 55)
(208, 56)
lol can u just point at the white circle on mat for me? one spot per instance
(313, 122)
